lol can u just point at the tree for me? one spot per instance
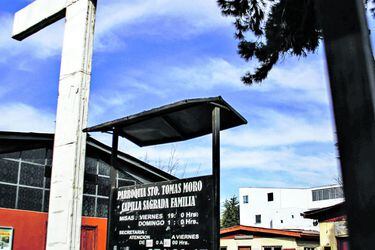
(231, 214)
(267, 30)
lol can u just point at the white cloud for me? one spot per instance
(22, 117)
(271, 128)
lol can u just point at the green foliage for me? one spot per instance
(231, 214)
(267, 30)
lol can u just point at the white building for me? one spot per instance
(281, 208)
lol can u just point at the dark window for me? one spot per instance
(102, 209)
(91, 165)
(270, 196)
(46, 201)
(8, 171)
(34, 155)
(89, 188)
(103, 186)
(30, 199)
(258, 218)
(8, 196)
(223, 248)
(292, 216)
(104, 168)
(281, 221)
(245, 199)
(13, 155)
(88, 207)
(272, 248)
(124, 183)
(32, 175)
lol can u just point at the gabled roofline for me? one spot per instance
(271, 231)
(49, 137)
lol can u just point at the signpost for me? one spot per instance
(173, 214)
(65, 207)
(183, 214)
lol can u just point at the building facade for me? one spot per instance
(281, 208)
(25, 171)
(258, 238)
(334, 234)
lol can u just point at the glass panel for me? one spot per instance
(90, 165)
(89, 188)
(88, 206)
(13, 155)
(102, 209)
(124, 183)
(30, 199)
(103, 186)
(49, 156)
(34, 155)
(8, 196)
(32, 175)
(48, 182)
(104, 168)
(46, 201)
(8, 171)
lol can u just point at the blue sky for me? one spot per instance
(151, 53)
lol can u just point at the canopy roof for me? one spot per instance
(179, 121)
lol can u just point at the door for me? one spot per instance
(88, 238)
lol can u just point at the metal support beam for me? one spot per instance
(352, 79)
(113, 183)
(216, 176)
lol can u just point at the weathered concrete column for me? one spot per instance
(65, 208)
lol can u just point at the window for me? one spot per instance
(245, 199)
(270, 196)
(292, 216)
(223, 248)
(25, 182)
(309, 248)
(271, 248)
(281, 221)
(258, 218)
(244, 248)
(327, 193)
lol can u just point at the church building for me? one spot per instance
(25, 171)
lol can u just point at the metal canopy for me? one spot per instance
(179, 121)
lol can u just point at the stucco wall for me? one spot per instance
(327, 235)
(258, 243)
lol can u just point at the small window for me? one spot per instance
(292, 216)
(309, 248)
(258, 218)
(270, 196)
(223, 248)
(272, 248)
(281, 221)
(245, 199)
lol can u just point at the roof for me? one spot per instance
(326, 213)
(12, 141)
(261, 231)
(179, 121)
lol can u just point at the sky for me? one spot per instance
(152, 53)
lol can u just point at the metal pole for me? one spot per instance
(113, 183)
(352, 79)
(216, 176)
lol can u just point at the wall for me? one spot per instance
(327, 235)
(30, 228)
(287, 206)
(258, 243)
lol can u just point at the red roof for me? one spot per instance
(249, 230)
